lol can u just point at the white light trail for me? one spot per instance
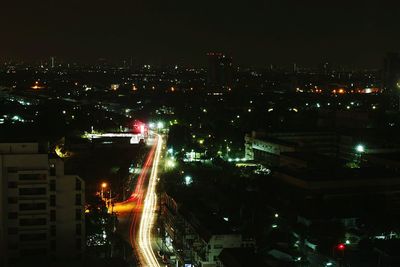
(148, 258)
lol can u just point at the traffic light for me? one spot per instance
(341, 247)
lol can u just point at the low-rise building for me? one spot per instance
(268, 147)
(198, 237)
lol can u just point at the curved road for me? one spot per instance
(137, 213)
(146, 252)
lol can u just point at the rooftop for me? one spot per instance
(339, 173)
(241, 257)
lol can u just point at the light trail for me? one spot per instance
(147, 256)
(141, 207)
(134, 204)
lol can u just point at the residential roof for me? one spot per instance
(241, 257)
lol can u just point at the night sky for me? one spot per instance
(351, 33)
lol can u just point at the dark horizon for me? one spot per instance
(356, 33)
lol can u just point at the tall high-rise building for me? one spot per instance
(391, 73)
(219, 72)
(391, 80)
(53, 62)
(41, 208)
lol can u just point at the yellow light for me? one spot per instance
(170, 163)
(104, 185)
(61, 154)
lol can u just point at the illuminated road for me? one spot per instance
(136, 214)
(147, 255)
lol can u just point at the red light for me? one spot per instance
(137, 126)
(341, 246)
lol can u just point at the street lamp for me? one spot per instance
(188, 180)
(170, 163)
(103, 186)
(360, 148)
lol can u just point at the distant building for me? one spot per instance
(325, 68)
(41, 208)
(268, 147)
(391, 73)
(318, 172)
(219, 72)
(391, 80)
(53, 62)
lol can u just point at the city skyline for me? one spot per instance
(199, 133)
(355, 34)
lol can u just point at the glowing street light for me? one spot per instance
(360, 148)
(103, 186)
(170, 163)
(188, 180)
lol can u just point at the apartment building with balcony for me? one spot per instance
(41, 208)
